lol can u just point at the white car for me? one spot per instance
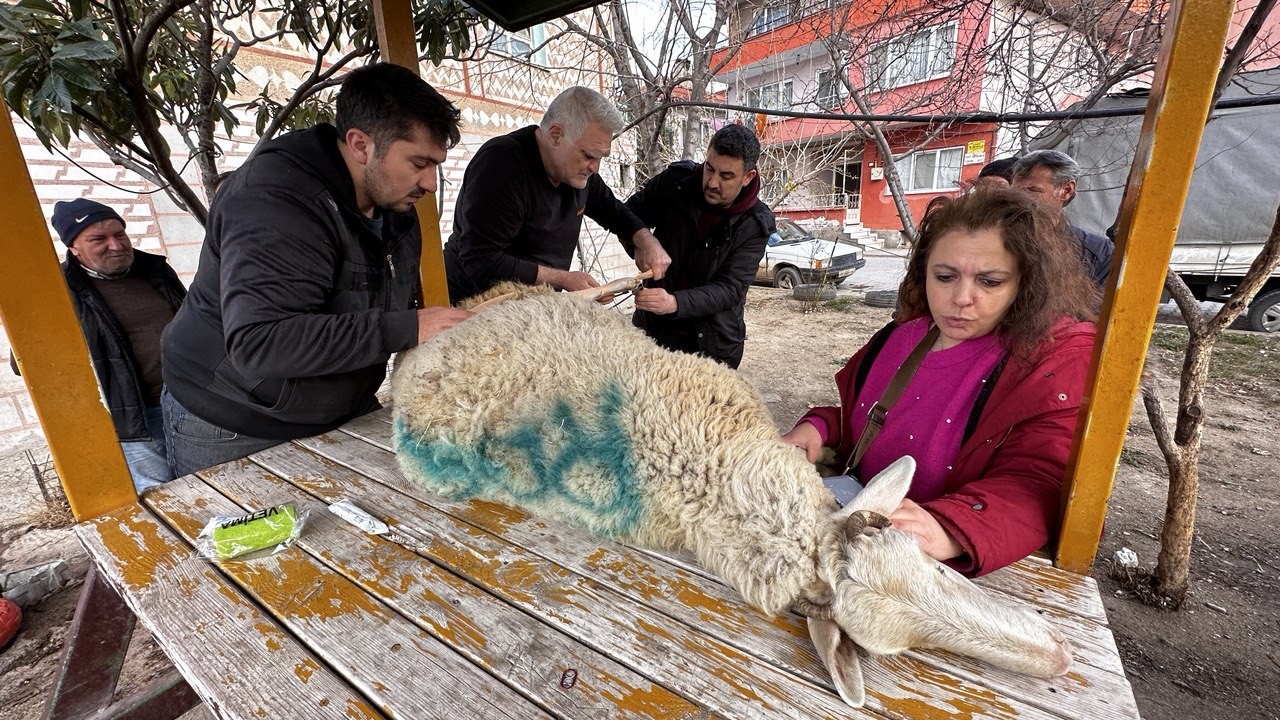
(794, 257)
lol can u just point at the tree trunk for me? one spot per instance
(148, 124)
(1173, 567)
(890, 169)
(207, 94)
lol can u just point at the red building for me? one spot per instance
(901, 57)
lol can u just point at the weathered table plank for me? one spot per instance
(238, 659)
(477, 610)
(1096, 683)
(405, 671)
(523, 652)
(720, 678)
(928, 692)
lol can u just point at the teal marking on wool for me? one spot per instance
(600, 448)
(453, 470)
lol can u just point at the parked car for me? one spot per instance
(794, 257)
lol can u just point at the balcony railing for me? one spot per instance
(797, 201)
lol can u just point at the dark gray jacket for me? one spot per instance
(109, 347)
(297, 305)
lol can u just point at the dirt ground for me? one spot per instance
(1218, 657)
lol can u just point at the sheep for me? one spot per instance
(557, 405)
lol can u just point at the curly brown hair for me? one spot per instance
(1052, 282)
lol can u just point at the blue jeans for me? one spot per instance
(148, 459)
(195, 444)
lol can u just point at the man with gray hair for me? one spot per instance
(523, 195)
(1050, 176)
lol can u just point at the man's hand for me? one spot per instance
(805, 436)
(655, 300)
(936, 542)
(433, 320)
(577, 280)
(566, 279)
(650, 255)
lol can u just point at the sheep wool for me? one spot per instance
(562, 407)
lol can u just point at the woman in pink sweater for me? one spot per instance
(990, 414)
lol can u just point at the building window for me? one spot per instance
(516, 43)
(771, 17)
(774, 96)
(932, 170)
(829, 89)
(913, 58)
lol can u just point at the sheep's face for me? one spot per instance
(885, 594)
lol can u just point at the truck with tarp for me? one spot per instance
(1232, 202)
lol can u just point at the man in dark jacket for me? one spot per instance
(711, 222)
(308, 279)
(1050, 176)
(123, 298)
(520, 208)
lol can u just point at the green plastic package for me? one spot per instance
(274, 528)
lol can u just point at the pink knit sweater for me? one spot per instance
(928, 421)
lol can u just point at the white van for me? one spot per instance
(795, 257)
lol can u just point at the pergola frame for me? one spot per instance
(45, 334)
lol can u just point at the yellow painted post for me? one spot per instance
(45, 335)
(399, 45)
(1180, 95)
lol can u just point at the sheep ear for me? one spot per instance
(884, 492)
(840, 655)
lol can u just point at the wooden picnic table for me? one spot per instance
(475, 610)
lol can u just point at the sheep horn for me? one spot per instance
(854, 525)
(876, 520)
(858, 522)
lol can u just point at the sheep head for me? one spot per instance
(881, 592)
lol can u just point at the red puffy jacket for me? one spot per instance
(1001, 500)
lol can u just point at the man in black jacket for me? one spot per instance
(308, 279)
(711, 222)
(123, 299)
(523, 196)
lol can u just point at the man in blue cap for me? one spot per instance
(124, 298)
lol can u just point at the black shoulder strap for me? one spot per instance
(879, 411)
(980, 402)
(874, 346)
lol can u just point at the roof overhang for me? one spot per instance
(520, 14)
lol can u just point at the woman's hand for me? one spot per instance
(805, 436)
(936, 542)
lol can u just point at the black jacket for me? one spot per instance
(109, 347)
(510, 219)
(297, 305)
(709, 276)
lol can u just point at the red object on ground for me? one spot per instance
(10, 619)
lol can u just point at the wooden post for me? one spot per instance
(1190, 56)
(396, 39)
(46, 339)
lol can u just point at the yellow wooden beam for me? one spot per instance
(1190, 55)
(46, 339)
(399, 44)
